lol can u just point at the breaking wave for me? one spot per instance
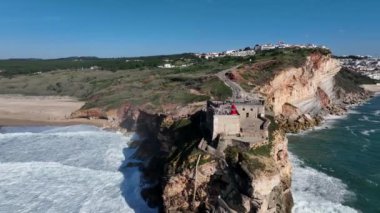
(66, 169)
(314, 191)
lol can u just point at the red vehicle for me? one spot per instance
(230, 75)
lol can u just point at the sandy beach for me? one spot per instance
(371, 87)
(41, 110)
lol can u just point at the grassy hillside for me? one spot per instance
(139, 80)
(146, 86)
(349, 80)
(266, 64)
(12, 67)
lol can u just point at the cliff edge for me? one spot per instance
(232, 167)
(257, 178)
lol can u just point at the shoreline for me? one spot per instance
(67, 122)
(329, 121)
(345, 186)
(20, 110)
(375, 88)
(332, 118)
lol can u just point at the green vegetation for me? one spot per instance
(273, 127)
(266, 64)
(263, 150)
(185, 136)
(287, 57)
(254, 165)
(232, 154)
(266, 149)
(12, 67)
(217, 89)
(349, 80)
(253, 159)
(180, 124)
(152, 88)
(138, 81)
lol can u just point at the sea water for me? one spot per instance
(83, 169)
(336, 168)
(67, 169)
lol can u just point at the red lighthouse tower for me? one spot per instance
(234, 110)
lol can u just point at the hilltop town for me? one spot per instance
(251, 51)
(365, 65)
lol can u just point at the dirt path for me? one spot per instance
(238, 93)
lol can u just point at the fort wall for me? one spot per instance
(226, 125)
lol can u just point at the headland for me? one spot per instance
(214, 130)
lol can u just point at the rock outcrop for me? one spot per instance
(249, 183)
(186, 179)
(309, 88)
(301, 97)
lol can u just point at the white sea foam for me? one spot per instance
(314, 191)
(350, 129)
(366, 118)
(66, 169)
(352, 111)
(53, 187)
(368, 132)
(377, 113)
(328, 122)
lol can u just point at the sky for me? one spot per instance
(118, 28)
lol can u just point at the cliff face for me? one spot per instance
(300, 97)
(310, 87)
(185, 179)
(257, 184)
(256, 180)
(249, 181)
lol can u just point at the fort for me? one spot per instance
(239, 123)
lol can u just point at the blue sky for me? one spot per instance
(113, 28)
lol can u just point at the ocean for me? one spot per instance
(336, 168)
(67, 169)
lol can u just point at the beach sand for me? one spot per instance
(371, 87)
(41, 110)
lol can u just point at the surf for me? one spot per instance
(67, 169)
(314, 191)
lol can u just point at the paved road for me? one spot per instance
(237, 91)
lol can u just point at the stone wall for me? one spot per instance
(226, 124)
(249, 118)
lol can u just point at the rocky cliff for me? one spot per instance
(187, 179)
(309, 87)
(256, 180)
(301, 97)
(247, 183)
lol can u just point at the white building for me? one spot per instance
(267, 47)
(167, 66)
